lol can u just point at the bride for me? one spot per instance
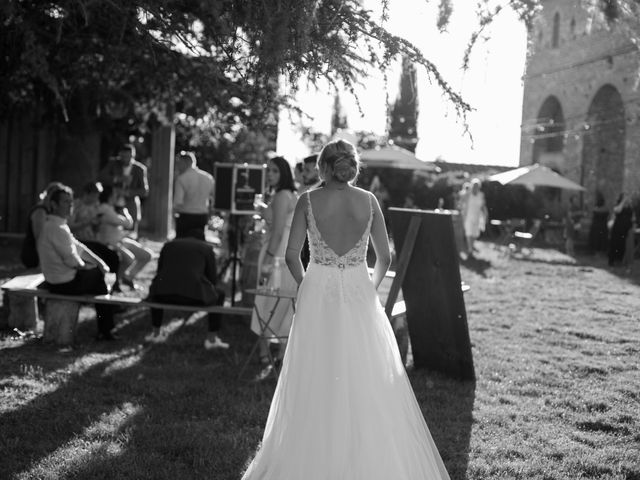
(343, 408)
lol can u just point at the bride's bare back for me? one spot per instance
(341, 216)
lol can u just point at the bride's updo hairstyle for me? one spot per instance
(339, 160)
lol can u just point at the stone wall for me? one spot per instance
(589, 60)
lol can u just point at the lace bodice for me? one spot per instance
(322, 254)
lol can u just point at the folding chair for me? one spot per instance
(521, 241)
(264, 321)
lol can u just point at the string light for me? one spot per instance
(533, 122)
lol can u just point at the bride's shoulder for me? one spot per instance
(302, 200)
(362, 193)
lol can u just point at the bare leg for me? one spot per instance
(470, 241)
(141, 255)
(126, 260)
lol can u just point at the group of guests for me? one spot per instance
(76, 242)
(106, 216)
(613, 232)
(186, 272)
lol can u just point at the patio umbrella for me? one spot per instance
(533, 176)
(392, 156)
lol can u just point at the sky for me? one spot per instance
(492, 85)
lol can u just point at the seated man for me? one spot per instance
(68, 266)
(186, 275)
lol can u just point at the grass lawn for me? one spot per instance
(556, 347)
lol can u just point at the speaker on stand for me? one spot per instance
(237, 184)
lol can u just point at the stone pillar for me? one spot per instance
(61, 320)
(158, 211)
(23, 312)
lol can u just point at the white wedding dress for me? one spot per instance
(343, 408)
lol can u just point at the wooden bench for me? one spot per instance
(61, 315)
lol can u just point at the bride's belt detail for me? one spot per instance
(340, 263)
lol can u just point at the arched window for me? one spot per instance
(603, 149)
(550, 128)
(572, 27)
(556, 31)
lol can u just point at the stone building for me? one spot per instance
(581, 109)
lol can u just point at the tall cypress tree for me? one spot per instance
(338, 116)
(404, 113)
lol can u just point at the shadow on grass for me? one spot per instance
(475, 264)
(449, 415)
(136, 410)
(31, 355)
(131, 410)
(549, 261)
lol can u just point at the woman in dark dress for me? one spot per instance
(598, 231)
(622, 223)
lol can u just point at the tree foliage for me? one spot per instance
(204, 56)
(197, 55)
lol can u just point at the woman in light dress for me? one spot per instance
(343, 408)
(272, 271)
(475, 214)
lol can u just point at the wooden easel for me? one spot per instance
(403, 261)
(429, 273)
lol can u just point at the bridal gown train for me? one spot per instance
(343, 408)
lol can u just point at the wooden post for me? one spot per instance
(458, 231)
(23, 312)
(157, 210)
(61, 320)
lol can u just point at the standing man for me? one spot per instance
(69, 267)
(310, 178)
(192, 198)
(187, 276)
(129, 178)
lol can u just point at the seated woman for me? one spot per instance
(37, 215)
(133, 256)
(84, 223)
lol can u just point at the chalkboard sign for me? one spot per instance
(236, 186)
(431, 289)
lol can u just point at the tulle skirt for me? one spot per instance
(343, 408)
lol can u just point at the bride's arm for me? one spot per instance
(296, 239)
(380, 242)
